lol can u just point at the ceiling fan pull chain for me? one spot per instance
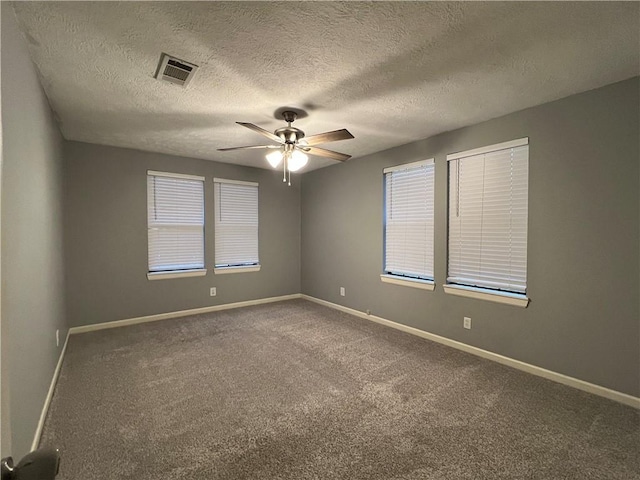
(287, 158)
(284, 167)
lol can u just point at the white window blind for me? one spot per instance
(236, 223)
(488, 205)
(175, 212)
(409, 197)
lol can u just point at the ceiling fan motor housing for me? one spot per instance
(289, 134)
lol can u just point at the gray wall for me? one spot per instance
(32, 261)
(106, 236)
(583, 277)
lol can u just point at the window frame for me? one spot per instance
(481, 292)
(176, 273)
(426, 282)
(223, 269)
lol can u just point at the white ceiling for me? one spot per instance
(389, 72)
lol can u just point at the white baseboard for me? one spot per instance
(47, 400)
(180, 313)
(517, 364)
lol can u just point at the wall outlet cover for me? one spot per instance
(467, 322)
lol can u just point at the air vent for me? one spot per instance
(174, 70)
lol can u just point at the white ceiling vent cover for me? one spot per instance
(174, 70)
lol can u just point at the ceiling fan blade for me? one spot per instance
(261, 131)
(322, 152)
(327, 137)
(248, 147)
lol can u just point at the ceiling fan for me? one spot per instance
(292, 145)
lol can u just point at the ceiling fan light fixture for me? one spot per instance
(297, 161)
(274, 158)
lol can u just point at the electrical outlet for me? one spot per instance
(342, 294)
(467, 322)
(212, 291)
(57, 338)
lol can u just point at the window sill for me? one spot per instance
(490, 295)
(176, 274)
(407, 282)
(225, 270)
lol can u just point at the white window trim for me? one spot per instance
(175, 175)
(507, 298)
(168, 274)
(236, 182)
(408, 166)
(176, 274)
(241, 269)
(408, 281)
(520, 142)
(511, 298)
(388, 277)
(220, 270)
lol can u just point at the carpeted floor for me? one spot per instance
(294, 390)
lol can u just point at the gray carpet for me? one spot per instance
(294, 390)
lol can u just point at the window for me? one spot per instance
(175, 220)
(236, 225)
(488, 203)
(408, 224)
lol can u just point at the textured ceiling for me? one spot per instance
(390, 72)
